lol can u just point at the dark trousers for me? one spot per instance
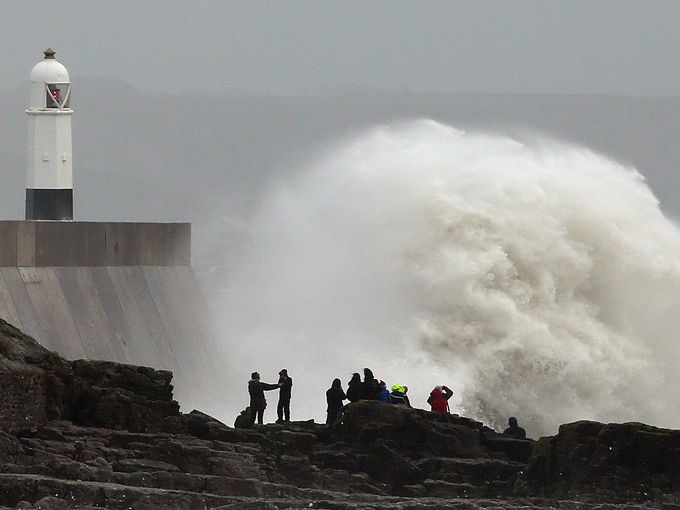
(260, 416)
(332, 416)
(283, 408)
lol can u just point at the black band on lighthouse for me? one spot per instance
(49, 204)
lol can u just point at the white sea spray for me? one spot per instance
(536, 278)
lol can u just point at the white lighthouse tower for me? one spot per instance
(49, 176)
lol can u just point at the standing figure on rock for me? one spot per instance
(398, 395)
(354, 388)
(256, 390)
(369, 388)
(383, 393)
(439, 399)
(283, 407)
(514, 429)
(334, 397)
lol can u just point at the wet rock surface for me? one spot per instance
(613, 462)
(105, 435)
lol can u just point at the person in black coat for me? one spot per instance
(244, 420)
(514, 429)
(354, 388)
(256, 390)
(370, 387)
(334, 397)
(283, 407)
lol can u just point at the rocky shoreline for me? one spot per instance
(92, 434)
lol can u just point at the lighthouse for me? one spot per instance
(49, 175)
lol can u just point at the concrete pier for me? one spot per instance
(123, 292)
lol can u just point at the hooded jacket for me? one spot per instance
(438, 399)
(398, 395)
(354, 388)
(334, 397)
(369, 388)
(286, 385)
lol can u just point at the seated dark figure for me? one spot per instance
(245, 420)
(514, 429)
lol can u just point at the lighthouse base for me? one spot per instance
(49, 204)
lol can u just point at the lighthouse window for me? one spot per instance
(57, 95)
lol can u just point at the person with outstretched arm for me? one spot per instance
(256, 390)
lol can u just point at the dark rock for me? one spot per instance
(132, 465)
(252, 505)
(248, 487)
(106, 435)
(518, 450)
(300, 442)
(296, 469)
(52, 503)
(365, 422)
(388, 466)
(613, 462)
(10, 448)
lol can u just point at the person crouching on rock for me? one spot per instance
(354, 388)
(256, 390)
(244, 420)
(398, 395)
(383, 393)
(439, 399)
(514, 429)
(283, 407)
(334, 397)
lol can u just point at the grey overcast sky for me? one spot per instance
(310, 47)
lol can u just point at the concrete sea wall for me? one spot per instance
(122, 292)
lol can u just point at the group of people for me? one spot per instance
(369, 388)
(373, 389)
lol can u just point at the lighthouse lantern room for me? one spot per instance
(49, 175)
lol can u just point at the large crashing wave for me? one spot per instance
(537, 279)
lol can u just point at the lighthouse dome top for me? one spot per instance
(50, 86)
(49, 70)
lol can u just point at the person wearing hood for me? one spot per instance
(369, 388)
(334, 397)
(398, 395)
(256, 390)
(354, 388)
(439, 399)
(514, 429)
(383, 393)
(244, 420)
(283, 407)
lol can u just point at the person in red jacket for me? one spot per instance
(438, 399)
